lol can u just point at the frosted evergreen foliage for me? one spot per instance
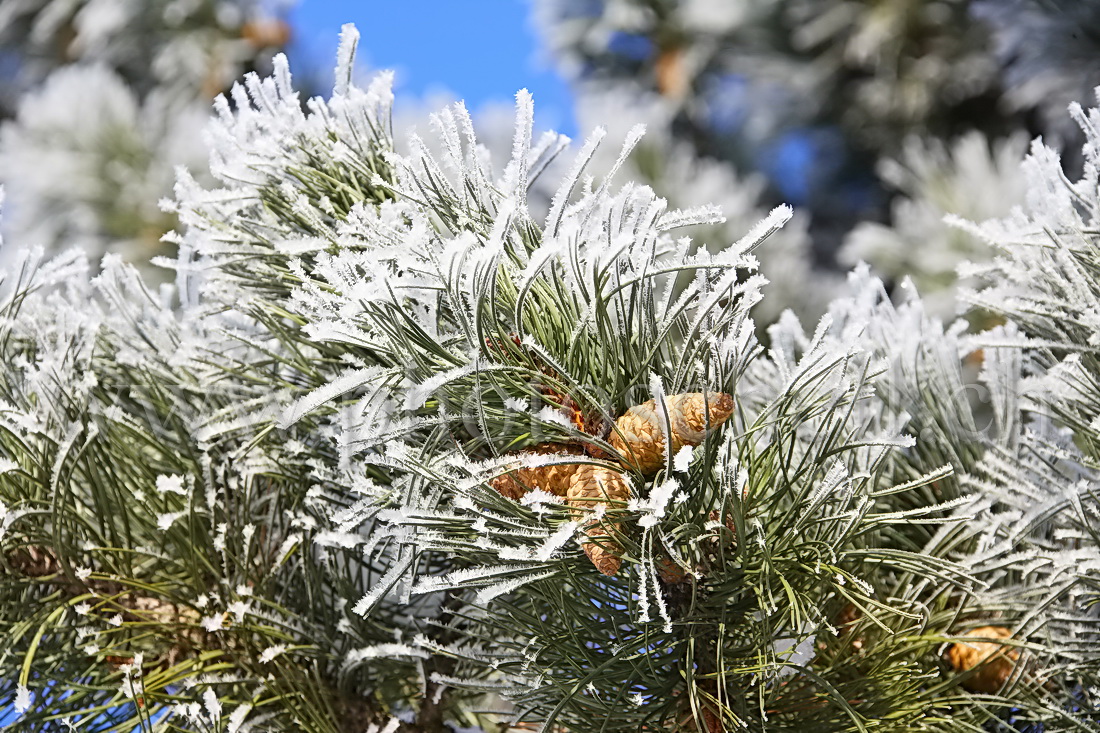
(1043, 280)
(686, 179)
(267, 498)
(974, 178)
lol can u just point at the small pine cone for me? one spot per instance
(669, 572)
(34, 561)
(846, 621)
(671, 72)
(997, 661)
(638, 434)
(638, 438)
(605, 553)
(848, 615)
(553, 479)
(691, 409)
(266, 33)
(715, 516)
(589, 487)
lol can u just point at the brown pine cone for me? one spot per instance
(846, 621)
(638, 434)
(553, 479)
(669, 572)
(35, 561)
(716, 516)
(589, 487)
(671, 74)
(604, 552)
(997, 661)
(266, 32)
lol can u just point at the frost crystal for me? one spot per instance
(23, 699)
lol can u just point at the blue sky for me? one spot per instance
(480, 50)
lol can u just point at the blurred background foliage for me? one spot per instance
(109, 96)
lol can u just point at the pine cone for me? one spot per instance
(181, 622)
(711, 722)
(34, 561)
(640, 440)
(605, 553)
(997, 661)
(553, 478)
(846, 621)
(669, 572)
(266, 32)
(671, 74)
(589, 487)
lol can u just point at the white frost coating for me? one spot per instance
(501, 224)
(561, 197)
(554, 416)
(264, 414)
(486, 595)
(215, 622)
(170, 484)
(384, 651)
(544, 552)
(345, 58)
(760, 231)
(382, 587)
(417, 395)
(546, 253)
(681, 462)
(166, 520)
(555, 541)
(346, 382)
(515, 175)
(466, 576)
(235, 723)
(516, 405)
(633, 137)
(537, 498)
(835, 478)
(212, 704)
(676, 219)
(654, 506)
(23, 699)
(239, 609)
